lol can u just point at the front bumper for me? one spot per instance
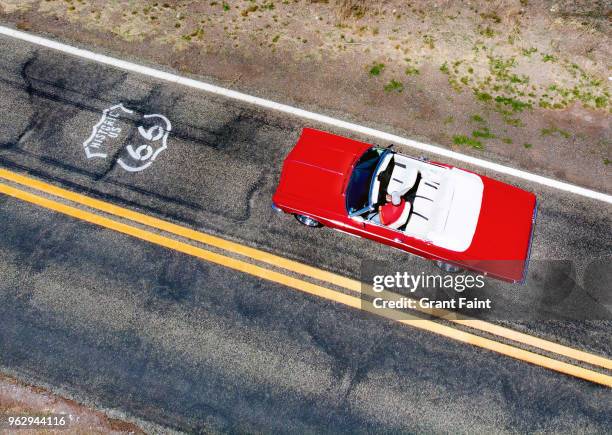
(276, 209)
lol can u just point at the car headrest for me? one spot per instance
(379, 181)
(402, 179)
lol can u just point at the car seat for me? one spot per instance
(403, 179)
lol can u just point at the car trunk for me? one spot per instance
(502, 240)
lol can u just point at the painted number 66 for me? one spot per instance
(142, 156)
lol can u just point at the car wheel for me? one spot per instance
(308, 221)
(449, 268)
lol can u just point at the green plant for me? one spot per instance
(548, 58)
(464, 140)
(448, 120)
(410, 70)
(226, 7)
(601, 102)
(484, 133)
(500, 66)
(376, 69)
(516, 79)
(507, 140)
(517, 105)
(483, 96)
(527, 145)
(551, 130)
(444, 68)
(487, 32)
(529, 51)
(477, 118)
(514, 122)
(394, 85)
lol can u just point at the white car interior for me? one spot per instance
(375, 191)
(442, 204)
(403, 178)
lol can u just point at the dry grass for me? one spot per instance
(354, 8)
(497, 51)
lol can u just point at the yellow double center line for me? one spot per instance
(307, 271)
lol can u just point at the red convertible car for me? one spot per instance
(455, 217)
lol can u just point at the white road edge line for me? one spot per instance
(228, 93)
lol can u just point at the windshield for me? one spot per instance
(358, 190)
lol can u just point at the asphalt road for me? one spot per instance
(168, 338)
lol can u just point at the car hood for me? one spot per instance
(316, 170)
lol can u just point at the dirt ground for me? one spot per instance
(522, 82)
(17, 399)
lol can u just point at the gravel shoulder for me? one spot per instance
(524, 83)
(19, 399)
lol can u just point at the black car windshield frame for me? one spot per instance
(369, 203)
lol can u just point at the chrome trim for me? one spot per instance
(449, 267)
(308, 221)
(276, 209)
(346, 232)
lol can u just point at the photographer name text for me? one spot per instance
(426, 303)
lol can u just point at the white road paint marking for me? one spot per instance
(106, 134)
(103, 130)
(144, 153)
(301, 113)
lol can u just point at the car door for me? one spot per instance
(384, 235)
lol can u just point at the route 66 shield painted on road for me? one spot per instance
(135, 140)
